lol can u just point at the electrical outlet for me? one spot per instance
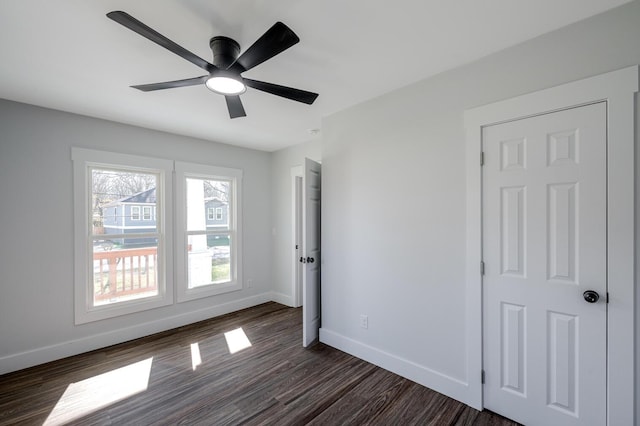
(364, 321)
(249, 283)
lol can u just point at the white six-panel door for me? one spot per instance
(544, 245)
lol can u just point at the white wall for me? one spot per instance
(283, 252)
(393, 207)
(36, 231)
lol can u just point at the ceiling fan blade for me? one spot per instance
(133, 24)
(284, 91)
(171, 84)
(234, 104)
(277, 39)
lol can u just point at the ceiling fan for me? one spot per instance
(224, 74)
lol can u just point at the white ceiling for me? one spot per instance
(65, 54)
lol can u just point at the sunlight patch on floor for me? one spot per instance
(237, 340)
(90, 395)
(196, 360)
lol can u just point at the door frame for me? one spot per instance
(617, 89)
(297, 234)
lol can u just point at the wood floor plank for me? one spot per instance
(377, 392)
(273, 381)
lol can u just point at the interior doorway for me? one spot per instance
(297, 193)
(305, 276)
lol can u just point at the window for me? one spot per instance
(146, 213)
(209, 262)
(121, 267)
(135, 212)
(124, 228)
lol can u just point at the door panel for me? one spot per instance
(311, 250)
(562, 361)
(512, 351)
(544, 244)
(513, 236)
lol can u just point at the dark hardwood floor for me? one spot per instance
(152, 381)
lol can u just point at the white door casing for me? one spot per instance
(544, 244)
(298, 238)
(297, 231)
(617, 89)
(311, 253)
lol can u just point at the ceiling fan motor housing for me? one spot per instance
(225, 51)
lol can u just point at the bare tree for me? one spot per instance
(112, 185)
(218, 189)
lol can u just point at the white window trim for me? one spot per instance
(137, 209)
(202, 171)
(210, 213)
(150, 210)
(617, 88)
(82, 160)
(218, 210)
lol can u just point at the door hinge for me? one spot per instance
(482, 376)
(481, 267)
(296, 247)
(607, 297)
(482, 158)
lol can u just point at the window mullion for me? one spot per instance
(128, 235)
(209, 232)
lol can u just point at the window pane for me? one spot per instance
(208, 204)
(209, 259)
(123, 273)
(121, 200)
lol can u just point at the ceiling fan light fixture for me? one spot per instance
(225, 85)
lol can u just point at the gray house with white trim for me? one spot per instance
(137, 213)
(130, 215)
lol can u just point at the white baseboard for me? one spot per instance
(449, 386)
(283, 299)
(45, 354)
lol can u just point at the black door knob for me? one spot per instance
(591, 296)
(310, 259)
